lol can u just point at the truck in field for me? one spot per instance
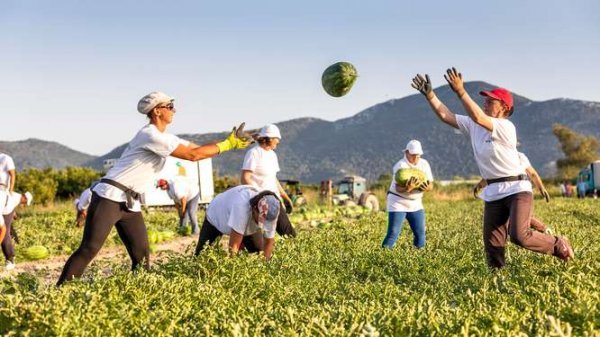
(199, 172)
(590, 178)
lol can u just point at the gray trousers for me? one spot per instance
(511, 217)
(191, 213)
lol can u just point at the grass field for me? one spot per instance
(329, 282)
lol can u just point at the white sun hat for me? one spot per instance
(150, 101)
(271, 131)
(29, 198)
(414, 147)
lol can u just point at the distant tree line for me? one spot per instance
(48, 184)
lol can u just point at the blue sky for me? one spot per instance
(73, 71)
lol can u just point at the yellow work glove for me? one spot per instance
(233, 141)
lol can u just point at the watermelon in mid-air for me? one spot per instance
(338, 78)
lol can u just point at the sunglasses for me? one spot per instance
(168, 106)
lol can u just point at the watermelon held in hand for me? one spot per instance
(338, 78)
(402, 176)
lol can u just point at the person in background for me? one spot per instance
(8, 173)
(508, 197)
(581, 189)
(242, 212)
(185, 194)
(116, 199)
(260, 169)
(406, 202)
(81, 206)
(8, 216)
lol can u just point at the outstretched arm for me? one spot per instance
(456, 82)
(235, 140)
(423, 85)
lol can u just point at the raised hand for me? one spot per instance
(423, 85)
(455, 80)
(242, 134)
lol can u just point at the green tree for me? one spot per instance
(579, 151)
(41, 183)
(73, 180)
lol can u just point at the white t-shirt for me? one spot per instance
(230, 210)
(12, 201)
(523, 160)
(6, 164)
(143, 158)
(264, 166)
(181, 187)
(84, 200)
(496, 156)
(408, 202)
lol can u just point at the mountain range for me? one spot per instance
(370, 142)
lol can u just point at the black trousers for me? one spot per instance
(102, 215)
(209, 234)
(284, 228)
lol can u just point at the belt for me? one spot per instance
(398, 195)
(129, 193)
(505, 179)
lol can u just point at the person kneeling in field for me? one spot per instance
(81, 206)
(534, 177)
(9, 214)
(241, 212)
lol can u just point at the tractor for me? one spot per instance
(293, 190)
(352, 191)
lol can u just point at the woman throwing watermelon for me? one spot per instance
(405, 200)
(508, 198)
(116, 199)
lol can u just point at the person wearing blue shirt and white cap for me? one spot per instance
(241, 212)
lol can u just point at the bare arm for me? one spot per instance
(282, 192)
(195, 153)
(246, 177)
(423, 84)
(235, 240)
(182, 205)
(537, 181)
(13, 179)
(455, 81)
(269, 245)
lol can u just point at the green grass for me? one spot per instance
(337, 282)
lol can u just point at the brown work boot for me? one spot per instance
(562, 249)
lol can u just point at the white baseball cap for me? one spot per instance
(414, 147)
(29, 198)
(150, 101)
(271, 131)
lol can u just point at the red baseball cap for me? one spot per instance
(161, 182)
(500, 94)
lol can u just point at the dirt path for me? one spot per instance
(51, 268)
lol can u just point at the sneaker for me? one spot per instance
(10, 265)
(563, 250)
